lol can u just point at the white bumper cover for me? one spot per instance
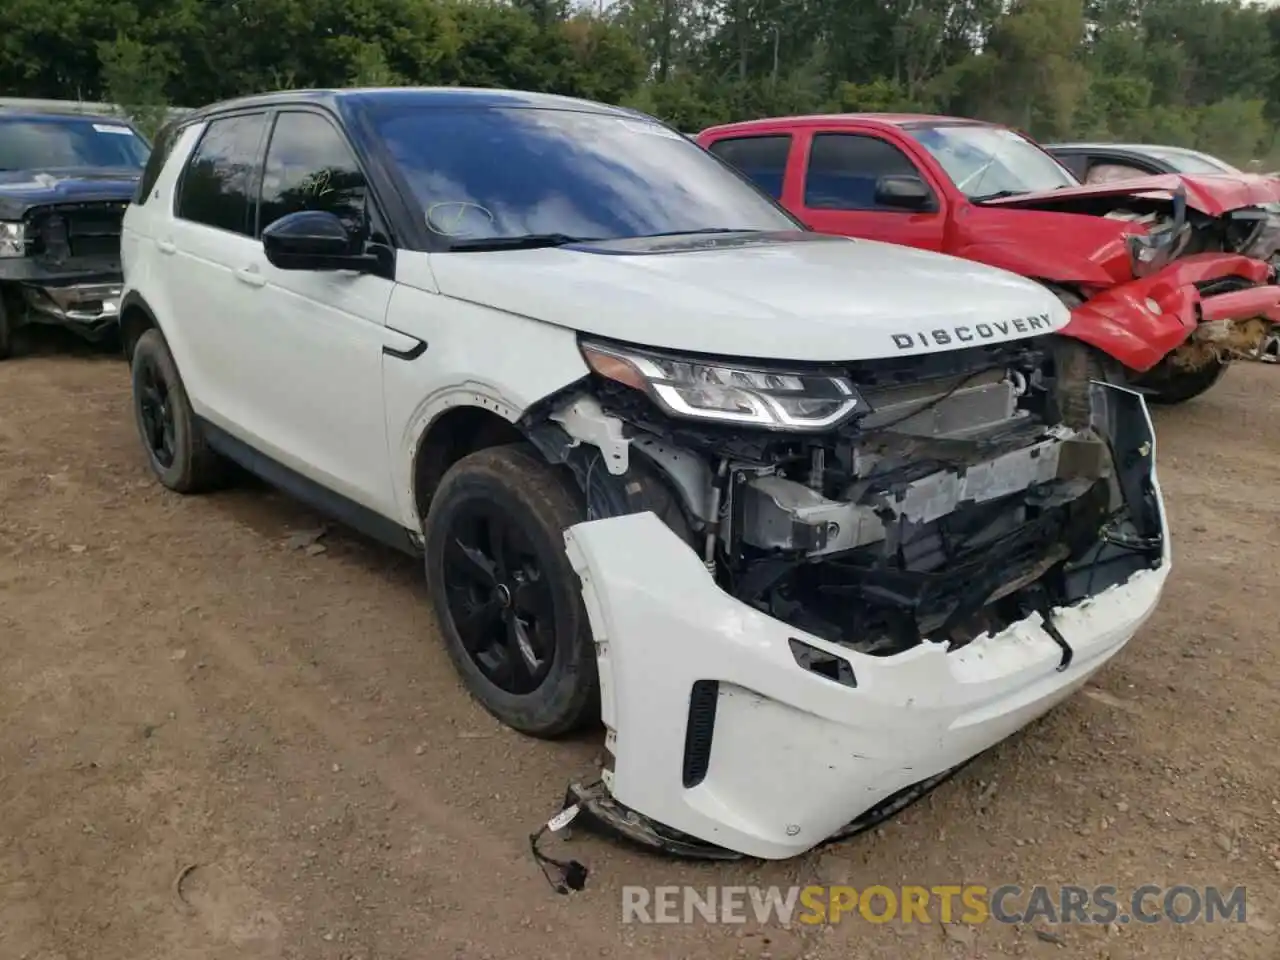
(796, 756)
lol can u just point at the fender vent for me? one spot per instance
(697, 733)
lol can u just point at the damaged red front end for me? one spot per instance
(1141, 322)
(1189, 285)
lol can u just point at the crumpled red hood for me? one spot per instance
(1211, 194)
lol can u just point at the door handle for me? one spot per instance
(167, 246)
(251, 276)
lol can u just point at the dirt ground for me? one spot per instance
(215, 743)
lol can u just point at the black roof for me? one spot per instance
(479, 97)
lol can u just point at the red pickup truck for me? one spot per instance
(1161, 273)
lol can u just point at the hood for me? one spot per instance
(789, 296)
(1063, 247)
(20, 190)
(1211, 194)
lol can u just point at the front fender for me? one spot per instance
(1121, 321)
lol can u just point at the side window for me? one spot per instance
(762, 159)
(1077, 163)
(218, 185)
(844, 167)
(160, 151)
(310, 166)
(1107, 172)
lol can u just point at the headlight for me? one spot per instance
(775, 399)
(1263, 241)
(1152, 252)
(13, 239)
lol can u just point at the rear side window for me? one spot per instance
(844, 168)
(310, 166)
(762, 159)
(218, 184)
(1107, 172)
(1077, 163)
(160, 151)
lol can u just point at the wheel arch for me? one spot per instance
(136, 318)
(452, 434)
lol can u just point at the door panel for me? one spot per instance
(839, 191)
(206, 240)
(317, 335)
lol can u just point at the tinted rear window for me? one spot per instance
(762, 159)
(218, 187)
(483, 173)
(62, 142)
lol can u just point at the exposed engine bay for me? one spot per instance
(1252, 231)
(951, 499)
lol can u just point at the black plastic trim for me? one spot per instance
(413, 353)
(699, 731)
(340, 508)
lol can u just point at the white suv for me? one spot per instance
(808, 521)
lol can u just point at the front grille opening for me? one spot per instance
(698, 732)
(76, 230)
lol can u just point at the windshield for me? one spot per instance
(992, 161)
(1185, 161)
(40, 143)
(495, 173)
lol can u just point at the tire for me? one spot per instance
(1167, 384)
(1076, 363)
(176, 450)
(524, 504)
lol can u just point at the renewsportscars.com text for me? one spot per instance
(970, 903)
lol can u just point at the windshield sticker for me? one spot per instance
(455, 218)
(112, 128)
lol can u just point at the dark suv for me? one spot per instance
(65, 181)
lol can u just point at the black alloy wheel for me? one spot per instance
(170, 433)
(499, 598)
(155, 408)
(506, 598)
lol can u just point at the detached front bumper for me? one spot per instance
(720, 733)
(1140, 322)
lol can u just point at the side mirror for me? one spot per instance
(903, 192)
(313, 240)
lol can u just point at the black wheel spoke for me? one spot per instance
(495, 536)
(533, 601)
(496, 662)
(521, 648)
(476, 627)
(157, 415)
(499, 600)
(469, 562)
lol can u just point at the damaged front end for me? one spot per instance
(1203, 290)
(60, 265)
(815, 593)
